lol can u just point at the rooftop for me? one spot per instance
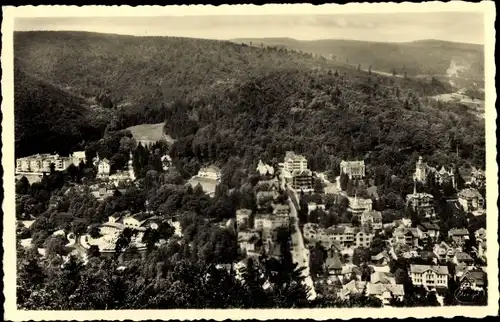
(469, 193)
(416, 268)
(458, 232)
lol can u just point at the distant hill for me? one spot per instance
(423, 57)
(142, 70)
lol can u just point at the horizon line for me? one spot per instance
(251, 38)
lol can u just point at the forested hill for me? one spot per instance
(223, 100)
(423, 57)
(328, 118)
(48, 119)
(143, 70)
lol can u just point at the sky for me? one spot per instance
(465, 27)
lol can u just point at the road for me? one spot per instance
(300, 254)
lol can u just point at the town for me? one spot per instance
(347, 242)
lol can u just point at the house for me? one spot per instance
(330, 237)
(421, 203)
(372, 218)
(474, 278)
(136, 220)
(211, 172)
(281, 210)
(41, 163)
(264, 169)
(268, 185)
(459, 236)
(444, 175)
(300, 180)
(333, 265)
(294, 162)
(480, 234)
(382, 278)
(363, 239)
(166, 162)
(269, 222)
(405, 236)
(353, 169)
(429, 276)
(249, 241)
(444, 252)
(352, 288)
(385, 292)
(357, 206)
(381, 259)
(311, 206)
(428, 230)
(243, 218)
(478, 178)
(463, 257)
(103, 168)
(471, 200)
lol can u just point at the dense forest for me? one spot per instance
(424, 57)
(48, 119)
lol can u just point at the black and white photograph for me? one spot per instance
(242, 157)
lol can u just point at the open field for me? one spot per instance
(149, 133)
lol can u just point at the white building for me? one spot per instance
(353, 169)
(471, 200)
(77, 157)
(103, 167)
(212, 172)
(40, 163)
(264, 169)
(294, 162)
(429, 276)
(357, 206)
(166, 162)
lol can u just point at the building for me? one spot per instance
(77, 157)
(363, 239)
(353, 169)
(357, 206)
(474, 278)
(333, 265)
(136, 220)
(421, 203)
(294, 162)
(353, 288)
(463, 258)
(243, 218)
(269, 222)
(478, 178)
(211, 172)
(264, 169)
(428, 230)
(385, 292)
(459, 236)
(422, 171)
(312, 206)
(471, 200)
(480, 234)
(431, 277)
(281, 210)
(444, 252)
(40, 163)
(405, 236)
(103, 168)
(166, 162)
(372, 218)
(249, 241)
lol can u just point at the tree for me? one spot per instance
(94, 251)
(94, 231)
(22, 186)
(344, 180)
(350, 190)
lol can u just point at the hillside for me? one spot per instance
(48, 119)
(142, 70)
(424, 57)
(327, 118)
(220, 99)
